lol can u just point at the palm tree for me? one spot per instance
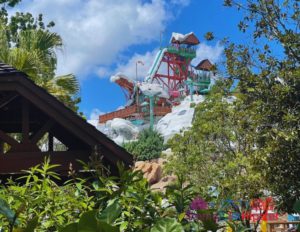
(34, 53)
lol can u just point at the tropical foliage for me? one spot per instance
(28, 46)
(41, 197)
(96, 203)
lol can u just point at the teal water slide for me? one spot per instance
(155, 65)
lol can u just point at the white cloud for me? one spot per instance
(94, 117)
(103, 72)
(96, 32)
(204, 51)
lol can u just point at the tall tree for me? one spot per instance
(253, 143)
(219, 152)
(269, 77)
(30, 47)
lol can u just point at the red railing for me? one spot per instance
(162, 110)
(123, 113)
(131, 111)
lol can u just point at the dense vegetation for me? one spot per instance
(97, 203)
(248, 145)
(243, 144)
(101, 203)
(149, 145)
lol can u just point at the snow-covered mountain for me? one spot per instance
(180, 119)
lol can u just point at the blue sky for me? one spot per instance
(103, 37)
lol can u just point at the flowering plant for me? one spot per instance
(199, 210)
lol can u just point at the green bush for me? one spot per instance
(193, 105)
(94, 203)
(149, 145)
(40, 200)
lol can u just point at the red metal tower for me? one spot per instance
(173, 63)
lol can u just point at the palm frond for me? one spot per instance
(63, 87)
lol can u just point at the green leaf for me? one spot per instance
(88, 222)
(167, 225)
(210, 225)
(111, 212)
(104, 227)
(31, 225)
(73, 227)
(60, 212)
(181, 216)
(209, 36)
(123, 226)
(296, 206)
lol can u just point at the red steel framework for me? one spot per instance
(177, 72)
(173, 70)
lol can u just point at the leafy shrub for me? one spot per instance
(149, 145)
(95, 203)
(123, 203)
(193, 105)
(41, 197)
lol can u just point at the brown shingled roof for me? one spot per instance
(204, 65)
(189, 39)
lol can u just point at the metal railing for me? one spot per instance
(182, 51)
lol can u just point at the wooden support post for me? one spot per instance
(50, 142)
(25, 121)
(1, 147)
(42, 131)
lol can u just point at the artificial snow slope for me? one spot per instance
(153, 89)
(179, 119)
(121, 131)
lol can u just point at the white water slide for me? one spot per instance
(155, 65)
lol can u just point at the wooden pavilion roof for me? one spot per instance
(31, 112)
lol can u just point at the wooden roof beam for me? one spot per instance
(42, 131)
(7, 99)
(7, 139)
